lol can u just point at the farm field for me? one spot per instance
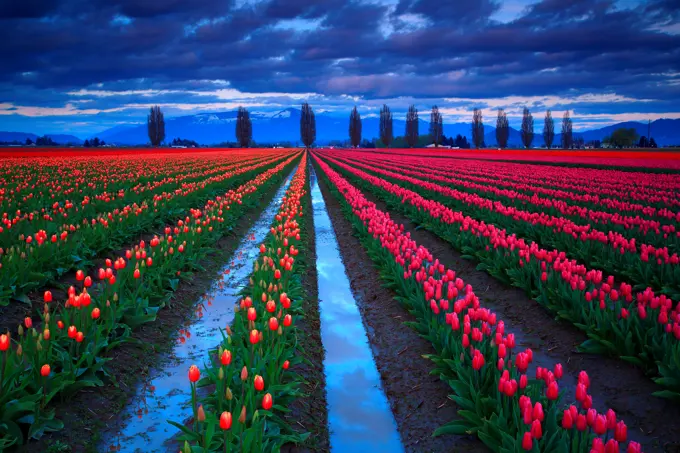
(219, 300)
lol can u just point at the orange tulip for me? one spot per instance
(267, 402)
(95, 313)
(259, 383)
(45, 370)
(225, 420)
(194, 373)
(226, 358)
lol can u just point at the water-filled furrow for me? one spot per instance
(359, 416)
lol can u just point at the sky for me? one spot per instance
(82, 66)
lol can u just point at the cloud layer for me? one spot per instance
(100, 63)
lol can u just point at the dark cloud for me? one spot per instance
(459, 50)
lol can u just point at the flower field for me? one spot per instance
(99, 253)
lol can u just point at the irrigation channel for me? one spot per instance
(143, 426)
(359, 416)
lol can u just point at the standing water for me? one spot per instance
(143, 426)
(359, 415)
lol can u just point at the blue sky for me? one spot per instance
(83, 66)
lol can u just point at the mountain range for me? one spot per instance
(62, 139)
(284, 126)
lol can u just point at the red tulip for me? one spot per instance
(194, 373)
(95, 313)
(611, 419)
(581, 422)
(136, 273)
(538, 412)
(612, 446)
(47, 297)
(287, 320)
(4, 342)
(254, 336)
(271, 306)
(259, 383)
(523, 381)
(277, 274)
(225, 420)
(226, 357)
(558, 371)
(45, 370)
(252, 314)
(80, 337)
(567, 420)
(267, 402)
(527, 441)
(621, 431)
(553, 391)
(80, 275)
(600, 425)
(285, 365)
(273, 323)
(28, 322)
(88, 281)
(536, 429)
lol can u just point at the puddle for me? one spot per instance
(143, 426)
(359, 416)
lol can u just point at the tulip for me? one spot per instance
(287, 320)
(95, 313)
(621, 431)
(254, 336)
(4, 342)
(47, 297)
(600, 426)
(87, 282)
(194, 373)
(45, 370)
(558, 371)
(634, 447)
(538, 412)
(201, 414)
(242, 417)
(581, 422)
(225, 420)
(136, 273)
(259, 383)
(28, 322)
(80, 337)
(244, 374)
(527, 441)
(553, 391)
(611, 419)
(225, 358)
(536, 429)
(612, 446)
(523, 381)
(267, 402)
(285, 365)
(80, 275)
(277, 274)
(273, 323)
(567, 420)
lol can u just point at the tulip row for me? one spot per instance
(611, 252)
(497, 400)
(252, 372)
(31, 264)
(66, 350)
(642, 327)
(642, 229)
(45, 211)
(658, 189)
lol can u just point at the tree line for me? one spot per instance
(412, 137)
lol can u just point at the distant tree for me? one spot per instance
(436, 126)
(643, 143)
(502, 129)
(594, 143)
(652, 142)
(623, 137)
(355, 127)
(579, 142)
(307, 125)
(477, 128)
(86, 144)
(461, 142)
(29, 141)
(155, 123)
(244, 127)
(567, 135)
(95, 142)
(102, 143)
(527, 131)
(411, 132)
(548, 129)
(386, 131)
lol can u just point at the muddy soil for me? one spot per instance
(419, 401)
(614, 384)
(93, 410)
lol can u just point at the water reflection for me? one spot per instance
(165, 395)
(359, 415)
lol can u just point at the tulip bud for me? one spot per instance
(242, 417)
(187, 448)
(220, 374)
(244, 374)
(229, 395)
(200, 414)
